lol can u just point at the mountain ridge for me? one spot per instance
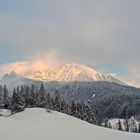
(71, 72)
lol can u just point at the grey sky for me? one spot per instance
(100, 33)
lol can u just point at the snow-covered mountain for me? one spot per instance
(57, 77)
(36, 123)
(71, 72)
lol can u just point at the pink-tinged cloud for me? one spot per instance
(42, 63)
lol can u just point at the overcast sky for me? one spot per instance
(104, 34)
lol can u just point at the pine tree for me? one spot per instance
(89, 115)
(85, 112)
(18, 102)
(27, 96)
(32, 94)
(18, 90)
(0, 89)
(120, 125)
(5, 91)
(63, 106)
(139, 128)
(22, 90)
(106, 123)
(109, 125)
(48, 101)
(12, 106)
(73, 109)
(56, 102)
(133, 125)
(6, 97)
(1, 98)
(79, 111)
(42, 96)
(32, 91)
(126, 125)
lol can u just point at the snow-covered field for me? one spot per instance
(5, 112)
(37, 124)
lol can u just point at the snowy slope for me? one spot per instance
(5, 112)
(71, 72)
(37, 124)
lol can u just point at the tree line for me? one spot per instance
(98, 112)
(117, 106)
(31, 96)
(129, 125)
(125, 106)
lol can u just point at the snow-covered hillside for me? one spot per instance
(35, 124)
(5, 112)
(70, 72)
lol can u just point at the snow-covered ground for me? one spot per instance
(5, 112)
(37, 124)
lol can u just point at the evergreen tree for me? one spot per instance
(12, 106)
(6, 97)
(1, 98)
(63, 106)
(139, 128)
(89, 115)
(32, 94)
(48, 102)
(109, 125)
(5, 92)
(126, 125)
(27, 97)
(37, 97)
(42, 96)
(79, 111)
(18, 90)
(56, 103)
(106, 123)
(18, 102)
(120, 125)
(133, 125)
(22, 89)
(73, 109)
(85, 112)
(1, 90)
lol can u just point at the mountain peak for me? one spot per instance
(71, 72)
(12, 74)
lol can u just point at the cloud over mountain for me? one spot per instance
(43, 63)
(95, 33)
